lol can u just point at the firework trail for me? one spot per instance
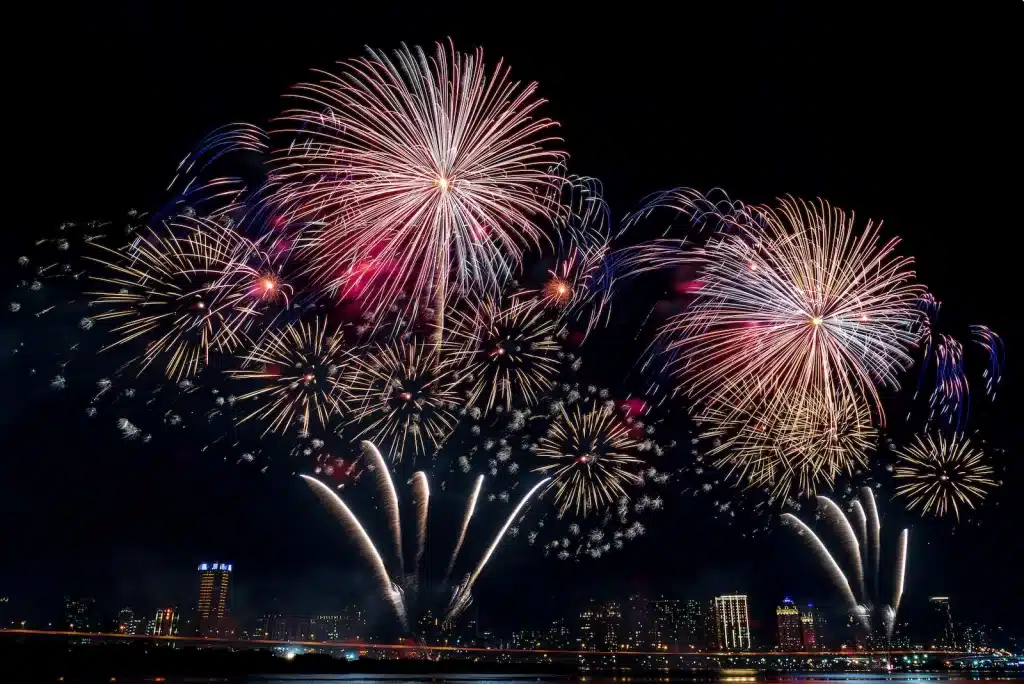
(942, 474)
(387, 488)
(874, 531)
(835, 515)
(870, 603)
(993, 346)
(901, 571)
(470, 509)
(462, 596)
(862, 530)
(389, 589)
(821, 551)
(802, 304)
(428, 175)
(421, 497)
(300, 369)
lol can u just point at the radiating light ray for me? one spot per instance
(421, 497)
(301, 369)
(389, 589)
(939, 475)
(462, 596)
(467, 516)
(504, 353)
(428, 175)
(387, 489)
(404, 397)
(589, 459)
(835, 515)
(164, 293)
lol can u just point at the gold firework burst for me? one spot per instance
(301, 369)
(939, 475)
(591, 460)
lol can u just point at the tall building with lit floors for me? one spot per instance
(212, 609)
(809, 628)
(942, 634)
(732, 622)
(787, 625)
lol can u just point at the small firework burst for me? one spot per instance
(940, 475)
(404, 397)
(300, 369)
(590, 460)
(505, 353)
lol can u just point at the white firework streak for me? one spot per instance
(901, 571)
(470, 509)
(421, 497)
(835, 514)
(862, 529)
(462, 597)
(836, 573)
(387, 487)
(390, 590)
(874, 531)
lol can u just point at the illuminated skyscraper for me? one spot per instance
(941, 622)
(692, 628)
(787, 620)
(664, 624)
(809, 628)
(80, 615)
(214, 584)
(166, 622)
(638, 623)
(732, 622)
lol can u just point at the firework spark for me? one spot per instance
(425, 170)
(801, 305)
(300, 368)
(166, 289)
(505, 353)
(467, 516)
(939, 475)
(404, 397)
(589, 460)
(421, 497)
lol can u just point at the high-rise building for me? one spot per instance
(558, 635)
(212, 609)
(638, 623)
(809, 628)
(80, 615)
(165, 623)
(589, 616)
(732, 622)
(973, 637)
(665, 624)
(942, 634)
(787, 621)
(127, 623)
(692, 628)
(609, 631)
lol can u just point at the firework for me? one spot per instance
(589, 459)
(421, 497)
(386, 486)
(866, 603)
(939, 475)
(804, 445)
(300, 369)
(167, 290)
(404, 397)
(467, 516)
(803, 305)
(427, 174)
(988, 340)
(505, 353)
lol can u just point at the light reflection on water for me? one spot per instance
(824, 678)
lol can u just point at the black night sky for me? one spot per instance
(906, 117)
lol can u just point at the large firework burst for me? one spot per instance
(505, 353)
(797, 302)
(167, 289)
(939, 475)
(404, 397)
(590, 459)
(300, 369)
(428, 175)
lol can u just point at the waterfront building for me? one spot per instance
(212, 607)
(732, 622)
